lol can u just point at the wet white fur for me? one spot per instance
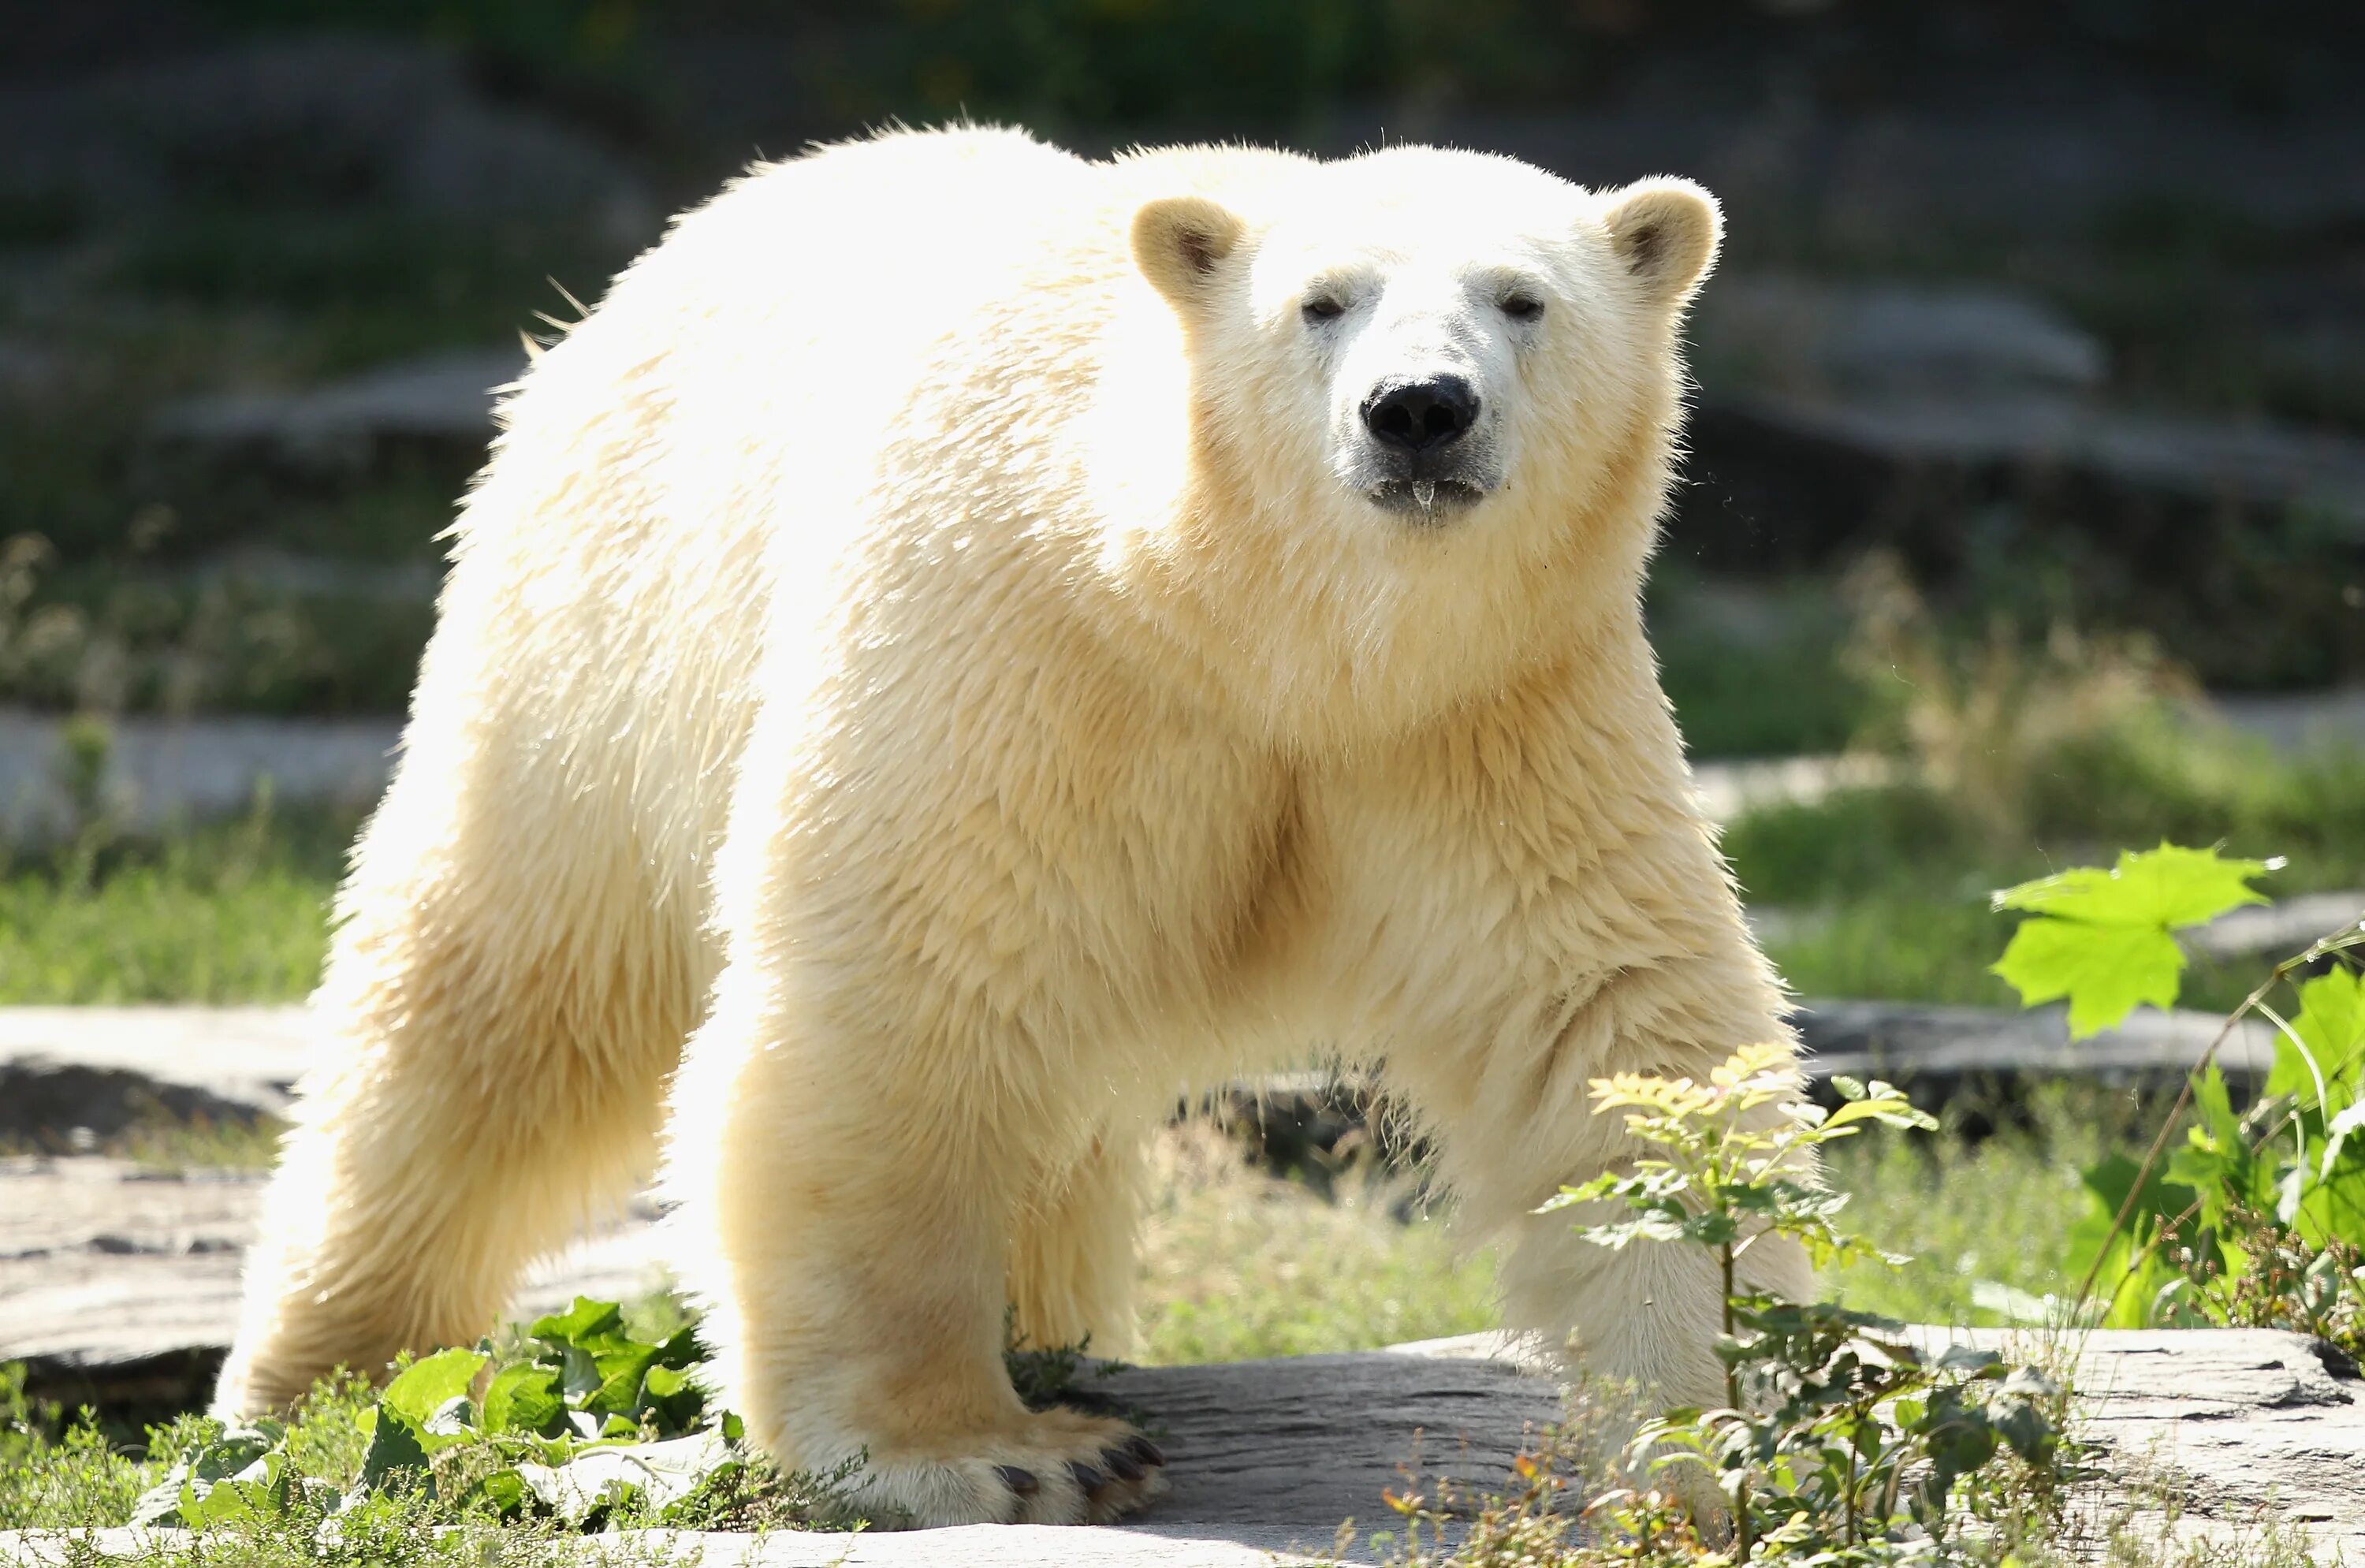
(940, 676)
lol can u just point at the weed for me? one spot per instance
(2255, 1218)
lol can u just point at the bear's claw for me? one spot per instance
(1022, 1482)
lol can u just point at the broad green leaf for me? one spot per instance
(428, 1385)
(233, 1450)
(2106, 972)
(621, 1371)
(2102, 938)
(2169, 887)
(2023, 1425)
(2332, 1207)
(505, 1490)
(676, 1401)
(586, 1320)
(2331, 1027)
(256, 1491)
(525, 1398)
(579, 1375)
(395, 1448)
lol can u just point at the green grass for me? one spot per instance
(228, 912)
(1969, 1213)
(1237, 1265)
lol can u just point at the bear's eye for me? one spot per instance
(1322, 308)
(1522, 307)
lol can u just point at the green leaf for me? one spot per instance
(621, 1371)
(2167, 888)
(505, 1490)
(2102, 938)
(427, 1387)
(233, 1451)
(2331, 1029)
(584, 1322)
(2024, 1427)
(2106, 972)
(525, 1398)
(2127, 1295)
(396, 1449)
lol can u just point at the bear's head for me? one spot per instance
(1449, 328)
(1438, 392)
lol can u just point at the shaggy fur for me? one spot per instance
(918, 663)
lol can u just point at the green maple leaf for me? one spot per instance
(2102, 938)
(2169, 887)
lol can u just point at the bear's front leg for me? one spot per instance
(1526, 901)
(849, 1191)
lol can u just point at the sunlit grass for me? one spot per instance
(1236, 1264)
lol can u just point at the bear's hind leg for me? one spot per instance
(1072, 1253)
(498, 1034)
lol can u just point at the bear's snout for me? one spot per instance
(1420, 416)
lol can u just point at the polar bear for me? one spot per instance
(964, 643)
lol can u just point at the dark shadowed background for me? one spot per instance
(2064, 301)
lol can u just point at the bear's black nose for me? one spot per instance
(1415, 415)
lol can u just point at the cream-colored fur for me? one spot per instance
(928, 641)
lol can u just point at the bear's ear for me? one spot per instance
(1178, 243)
(1666, 232)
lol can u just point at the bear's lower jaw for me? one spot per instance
(1425, 501)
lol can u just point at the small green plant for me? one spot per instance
(2258, 1218)
(1840, 1440)
(596, 1421)
(590, 1423)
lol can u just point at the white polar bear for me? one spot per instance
(973, 641)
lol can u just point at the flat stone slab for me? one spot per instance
(119, 1284)
(1935, 1046)
(161, 769)
(106, 1067)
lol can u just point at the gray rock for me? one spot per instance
(1930, 1048)
(2046, 439)
(162, 769)
(290, 572)
(1819, 336)
(2299, 722)
(119, 1284)
(1728, 789)
(2276, 931)
(106, 1067)
(444, 397)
